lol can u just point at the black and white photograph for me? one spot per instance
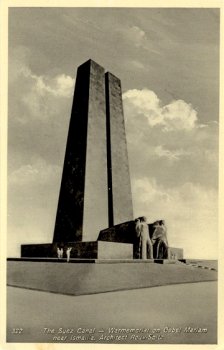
(113, 160)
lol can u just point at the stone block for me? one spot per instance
(80, 250)
(112, 250)
(124, 233)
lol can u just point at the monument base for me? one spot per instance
(90, 250)
(80, 250)
(101, 276)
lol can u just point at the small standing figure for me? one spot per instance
(60, 253)
(68, 251)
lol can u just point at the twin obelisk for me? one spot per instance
(95, 189)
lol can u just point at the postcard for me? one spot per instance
(111, 174)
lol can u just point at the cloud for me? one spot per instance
(136, 64)
(59, 86)
(138, 35)
(135, 35)
(45, 95)
(190, 212)
(168, 141)
(38, 173)
(39, 112)
(138, 38)
(35, 97)
(175, 155)
(147, 191)
(174, 169)
(33, 191)
(177, 115)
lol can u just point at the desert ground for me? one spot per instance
(183, 313)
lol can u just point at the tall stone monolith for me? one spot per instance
(95, 188)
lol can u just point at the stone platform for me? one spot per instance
(80, 250)
(104, 276)
(91, 250)
(92, 261)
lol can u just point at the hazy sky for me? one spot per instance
(168, 63)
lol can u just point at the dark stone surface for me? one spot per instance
(125, 233)
(80, 250)
(54, 260)
(47, 250)
(82, 201)
(95, 188)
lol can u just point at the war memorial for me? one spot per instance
(95, 196)
(95, 200)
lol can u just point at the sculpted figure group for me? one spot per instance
(151, 242)
(154, 246)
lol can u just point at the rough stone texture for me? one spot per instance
(80, 250)
(82, 202)
(119, 194)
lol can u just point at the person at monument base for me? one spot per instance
(60, 252)
(68, 252)
(145, 244)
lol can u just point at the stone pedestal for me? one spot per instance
(80, 250)
(100, 276)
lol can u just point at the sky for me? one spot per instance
(168, 63)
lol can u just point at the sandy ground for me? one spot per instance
(163, 311)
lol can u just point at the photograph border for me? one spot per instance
(5, 5)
